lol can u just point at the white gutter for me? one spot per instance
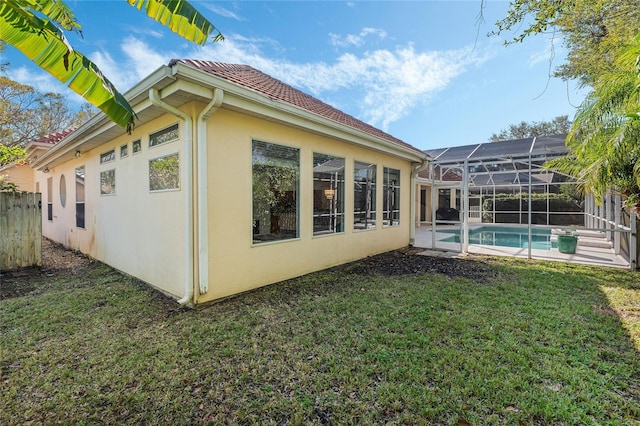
(414, 182)
(154, 97)
(100, 123)
(202, 184)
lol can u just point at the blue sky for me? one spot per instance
(424, 71)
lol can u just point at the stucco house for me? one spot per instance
(20, 173)
(230, 181)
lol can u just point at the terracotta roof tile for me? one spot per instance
(53, 138)
(249, 77)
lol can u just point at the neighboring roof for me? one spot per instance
(42, 143)
(52, 138)
(251, 78)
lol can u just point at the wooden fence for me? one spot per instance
(20, 230)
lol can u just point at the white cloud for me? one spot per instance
(379, 86)
(383, 85)
(139, 61)
(41, 81)
(145, 32)
(219, 10)
(552, 49)
(356, 39)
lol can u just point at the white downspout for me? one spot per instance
(187, 186)
(202, 183)
(414, 182)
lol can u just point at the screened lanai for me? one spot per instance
(499, 198)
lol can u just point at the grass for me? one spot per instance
(539, 343)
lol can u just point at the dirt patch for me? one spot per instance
(408, 261)
(56, 260)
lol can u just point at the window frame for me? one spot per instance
(334, 195)
(291, 196)
(108, 156)
(177, 155)
(163, 131)
(124, 150)
(80, 203)
(108, 194)
(371, 204)
(62, 190)
(50, 198)
(137, 143)
(390, 193)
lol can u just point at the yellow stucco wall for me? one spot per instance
(142, 233)
(136, 231)
(236, 264)
(21, 175)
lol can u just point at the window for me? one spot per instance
(124, 151)
(63, 191)
(136, 146)
(328, 194)
(364, 196)
(108, 182)
(50, 198)
(164, 173)
(108, 156)
(163, 136)
(275, 171)
(391, 201)
(80, 197)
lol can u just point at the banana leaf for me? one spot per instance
(180, 17)
(45, 44)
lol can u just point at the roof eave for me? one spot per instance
(100, 123)
(245, 99)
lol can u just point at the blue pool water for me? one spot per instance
(505, 237)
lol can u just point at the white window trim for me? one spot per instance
(155, 191)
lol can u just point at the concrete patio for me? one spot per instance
(583, 255)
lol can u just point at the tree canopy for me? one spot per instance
(604, 143)
(558, 125)
(26, 114)
(591, 30)
(603, 42)
(36, 28)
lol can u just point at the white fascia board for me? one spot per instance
(255, 103)
(100, 123)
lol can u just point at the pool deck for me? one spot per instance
(584, 255)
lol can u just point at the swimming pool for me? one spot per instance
(505, 237)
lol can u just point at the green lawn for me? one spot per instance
(526, 343)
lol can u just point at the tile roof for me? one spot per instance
(53, 138)
(251, 78)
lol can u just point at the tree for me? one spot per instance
(558, 125)
(43, 41)
(604, 143)
(591, 30)
(3, 65)
(603, 41)
(11, 154)
(26, 114)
